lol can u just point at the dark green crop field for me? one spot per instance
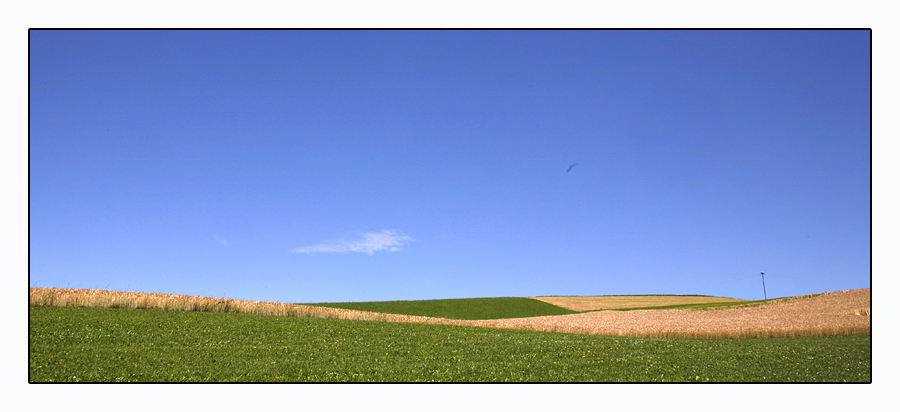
(468, 309)
(132, 345)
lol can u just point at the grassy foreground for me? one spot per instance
(468, 309)
(83, 344)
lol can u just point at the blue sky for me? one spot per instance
(323, 166)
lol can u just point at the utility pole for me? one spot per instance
(763, 274)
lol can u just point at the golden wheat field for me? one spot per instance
(833, 313)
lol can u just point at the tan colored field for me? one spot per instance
(833, 313)
(98, 298)
(586, 303)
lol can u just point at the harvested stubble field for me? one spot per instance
(590, 303)
(834, 313)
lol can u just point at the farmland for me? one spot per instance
(469, 309)
(80, 335)
(84, 344)
(589, 303)
(833, 313)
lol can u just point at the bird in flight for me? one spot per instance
(570, 167)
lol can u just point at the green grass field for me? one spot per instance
(84, 344)
(468, 309)
(496, 308)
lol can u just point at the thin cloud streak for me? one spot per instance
(385, 240)
(221, 240)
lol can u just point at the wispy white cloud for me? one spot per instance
(221, 240)
(385, 240)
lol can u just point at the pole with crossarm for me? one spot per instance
(763, 274)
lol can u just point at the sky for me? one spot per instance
(333, 166)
